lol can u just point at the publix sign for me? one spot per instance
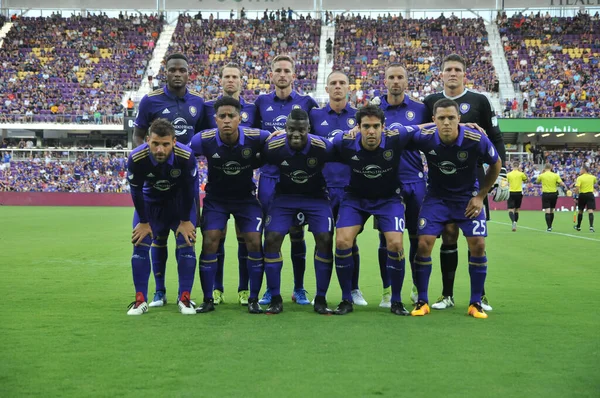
(550, 125)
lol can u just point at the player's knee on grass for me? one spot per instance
(253, 243)
(425, 246)
(210, 241)
(450, 234)
(273, 242)
(324, 242)
(476, 246)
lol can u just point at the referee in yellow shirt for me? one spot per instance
(584, 187)
(515, 178)
(550, 181)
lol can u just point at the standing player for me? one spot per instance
(231, 82)
(162, 174)
(334, 118)
(301, 189)
(230, 151)
(272, 111)
(184, 109)
(550, 181)
(584, 188)
(515, 178)
(454, 196)
(400, 110)
(474, 108)
(373, 156)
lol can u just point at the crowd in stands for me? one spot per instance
(73, 69)
(210, 44)
(566, 164)
(364, 46)
(554, 61)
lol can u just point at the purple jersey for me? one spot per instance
(453, 169)
(185, 114)
(155, 182)
(374, 174)
(301, 172)
(409, 112)
(247, 115)
(272, 113)
(230, 168)
(325, 122)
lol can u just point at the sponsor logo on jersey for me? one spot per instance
(299, 176)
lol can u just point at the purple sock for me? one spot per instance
(423, 272)
(344, 264)
(323, 270)
(298, 259)
(140, 267)
(395, 267)
(159, 254)
(186, 267)
(382, 257)
(477, 272)
(242, 265)
(220, 265)
(208, 269)
(255, 271)
(414, 244)
(273, 266)
(356, 272)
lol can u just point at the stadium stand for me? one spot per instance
(71, 70)
(363, 47)
(250, 43)
(554, 61)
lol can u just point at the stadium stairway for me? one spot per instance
(160, 50)
(324, 66)
(4, 31)
(507, 89)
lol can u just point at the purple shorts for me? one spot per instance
(436, 213)
(413, 194)
(388, 212)
(335, 199)
(247, 213)
(266, 191)
(164, 216)
(292, 210)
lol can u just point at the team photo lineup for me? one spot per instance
(330, 168)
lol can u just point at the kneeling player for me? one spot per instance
(300, 158)
(162, 175)
(454, 196)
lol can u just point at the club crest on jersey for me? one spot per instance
(410, 115)
(296, 107)
(388, 155)
(246, 153)
(175, 173)
(351, 122)
(193, 111)
(268, 221)
(464, 107)
(462, 155)
(422, 223)
(311, 162)
(244, 116)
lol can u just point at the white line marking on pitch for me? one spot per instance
(543, 230)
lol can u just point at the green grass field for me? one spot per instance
(66, 279)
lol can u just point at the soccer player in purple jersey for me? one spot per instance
(272, 111)
(231, 152)
(231, 83)
(401, 110)
(184, 109)
(334, 118)
(474, 108)
(373, 156)
(162, 174)
(301, 189)
(454, 196)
